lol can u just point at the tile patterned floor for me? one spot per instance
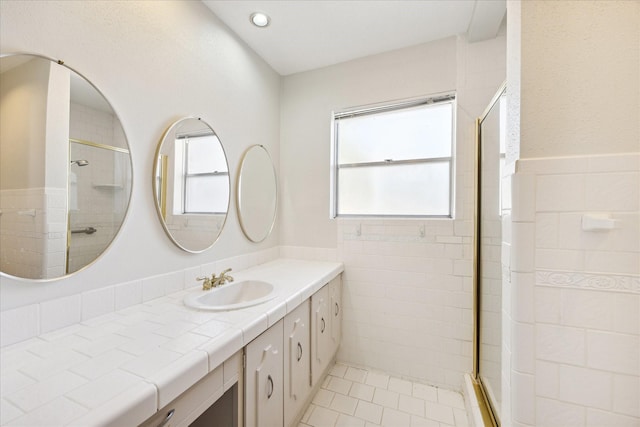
(356, 397)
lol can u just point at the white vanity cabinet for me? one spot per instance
(284, 365)
(297, 362)
(326, 327)
(264, 379)
(335, 299)
(321, 343)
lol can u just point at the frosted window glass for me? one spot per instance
(205, 154)
(207, 194)
(410, 133)
(414, 189)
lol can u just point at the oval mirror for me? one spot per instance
(65, 169)
(191, 184)
(257, 194)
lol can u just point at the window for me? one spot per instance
(394, 160)
(205, 177)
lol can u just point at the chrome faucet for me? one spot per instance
(214, 282)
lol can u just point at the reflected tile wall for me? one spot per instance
(33, 225)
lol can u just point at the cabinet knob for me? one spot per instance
(337, 309)
(299, 351)
(270, 387)
(323, 325)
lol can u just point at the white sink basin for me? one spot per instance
(232, 296)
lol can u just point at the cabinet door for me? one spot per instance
(335, 291)
(264, 379)
(320, 333)
(297, 361)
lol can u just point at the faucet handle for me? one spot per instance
(206, 284)
(226, 276)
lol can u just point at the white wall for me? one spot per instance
(407, 283)
(307, 102)
(579, 70)
(571, 332)
(155, 62)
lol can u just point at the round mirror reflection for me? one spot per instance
(65, 169)
(257, 194)
(191, 184)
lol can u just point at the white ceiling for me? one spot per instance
(308, 34)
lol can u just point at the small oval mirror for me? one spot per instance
(257, 194)
(191, 184)
(65, 169)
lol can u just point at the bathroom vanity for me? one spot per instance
(271, 380)
(161, 363)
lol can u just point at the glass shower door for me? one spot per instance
(491, 155)
(99, 183)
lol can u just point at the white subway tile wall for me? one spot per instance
(407, 297)
(582, 313)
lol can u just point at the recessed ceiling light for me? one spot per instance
(260, 19)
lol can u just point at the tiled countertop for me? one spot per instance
(126, 365)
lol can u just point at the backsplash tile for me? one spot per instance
(98, 302)
(19, 324)
(33, 320)
(61, 312)
(128, 294)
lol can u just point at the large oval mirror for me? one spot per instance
(191, 184)
(65, 169)
(257, 196)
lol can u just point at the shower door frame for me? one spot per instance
(68, 245)
(489, 413)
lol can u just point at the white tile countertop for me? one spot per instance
(126, 365)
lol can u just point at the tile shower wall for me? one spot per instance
(573, 340)
(37, 218)
(407, 297)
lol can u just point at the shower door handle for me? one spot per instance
(87, 230)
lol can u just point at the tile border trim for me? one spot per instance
(589, 281)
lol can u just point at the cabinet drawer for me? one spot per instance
(188, 406)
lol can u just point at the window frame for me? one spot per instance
(448, 97)
(185, 175)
